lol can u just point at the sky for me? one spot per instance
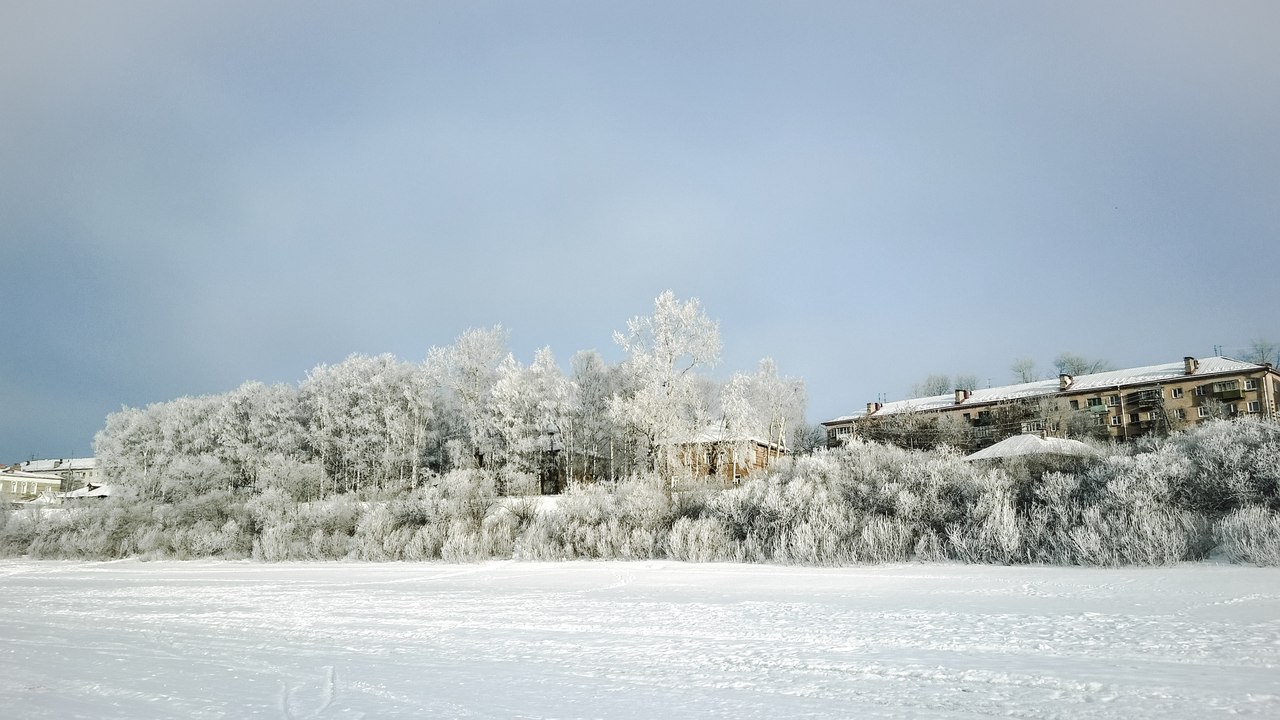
(193, 195)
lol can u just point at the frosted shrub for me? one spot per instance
(376, 536)
(628, 519)
(992, 533)
(17, 532)
(1053, 508)
(426, 543)
(1136, 536)
(1235, 463)
(463, 544)
(498, 533)
(300, 481)
(1250, 535)
(930, 547)
(700, 540)
(277, 543)
(884, 539)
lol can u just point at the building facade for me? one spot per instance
(16, 485)
(75, 472)
(1117, 404)
(713, 454)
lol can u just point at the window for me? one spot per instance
(1133, 417)
(1202, 411)
(1177, 392)
(1255, 406)
(1113, 400)
(1232, 409)
(1227, 386)
(1250, 384)
(1200, 390)
(1075, 404)
(1181, 413)
(1094, 402)
(1115, 419)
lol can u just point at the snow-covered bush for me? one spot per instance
(1159, 501)
(629, 519)
(1250, 535)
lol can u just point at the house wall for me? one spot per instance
(721, 461)
(25, 486)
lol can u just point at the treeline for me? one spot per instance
(1212, 491)
(383, 425)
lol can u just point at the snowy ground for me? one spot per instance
(634, 640)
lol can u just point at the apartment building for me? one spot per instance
(1117, 404)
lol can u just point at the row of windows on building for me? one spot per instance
(1204, 411)
(23, 487)
(1174, 393)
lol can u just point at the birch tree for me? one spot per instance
(530, 406)
(473, 369)
(664, 349)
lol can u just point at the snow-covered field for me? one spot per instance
(634, 640)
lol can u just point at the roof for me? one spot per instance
(1021, 445)
(715, 435)
(47, 477)
(60, 465)
(89, 491)
(1094, 382)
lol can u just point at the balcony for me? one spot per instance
(1144, 398)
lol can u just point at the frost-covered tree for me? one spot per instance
(140, 449)
(368, 418)
(530, 407)
(664, 350)
(763, 405)
(595, 445)
(255, 423)
(472, 371)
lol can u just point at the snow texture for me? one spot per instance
(635, 640)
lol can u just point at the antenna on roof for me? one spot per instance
(1217, 350)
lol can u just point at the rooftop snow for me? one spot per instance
(1095, 381)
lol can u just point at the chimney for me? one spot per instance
(1190, 364)
(872, 407)
(961, 395)
(1064, 381)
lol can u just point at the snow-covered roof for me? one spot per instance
(1146, 375)
(1031, 445)
(89, 491)
(44, 498)
(717, 435)
(23, 475)
(60, 465)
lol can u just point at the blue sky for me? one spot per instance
(197, 194)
